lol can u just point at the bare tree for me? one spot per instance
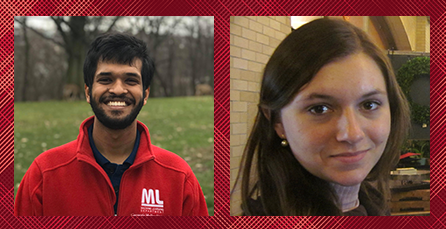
(155, 31)
(210, 54)
(26, 55)
(181, 47)
(201, 52)
(194, 40)
(75, 39)
(170, 65)
(38, 72)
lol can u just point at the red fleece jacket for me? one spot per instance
(67, 181)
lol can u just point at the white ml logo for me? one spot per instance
(151, 199)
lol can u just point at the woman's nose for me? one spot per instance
(349, 127)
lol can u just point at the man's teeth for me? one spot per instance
(116, 103)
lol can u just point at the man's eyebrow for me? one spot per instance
(104, 74)
(132, 74)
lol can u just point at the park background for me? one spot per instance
(49, 100)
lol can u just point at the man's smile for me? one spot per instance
(116, 101)
(117, 104)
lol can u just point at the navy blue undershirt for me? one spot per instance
(113, 170)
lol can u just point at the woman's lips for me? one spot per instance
(350, 157)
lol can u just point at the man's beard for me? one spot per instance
(115, 123)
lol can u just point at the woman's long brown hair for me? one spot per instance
(272, 172)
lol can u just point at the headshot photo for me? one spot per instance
(329, 116)
(113, 116)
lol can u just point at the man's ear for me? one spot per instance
(87, 93)
(147, 92)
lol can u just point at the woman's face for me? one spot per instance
(338, 124)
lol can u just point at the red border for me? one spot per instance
(222, 10)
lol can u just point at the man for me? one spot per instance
(112, 168)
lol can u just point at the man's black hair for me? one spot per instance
(121, 49)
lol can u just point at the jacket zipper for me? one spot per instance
(122, 182)
(131, 168)
(106, 178)
(120, 190)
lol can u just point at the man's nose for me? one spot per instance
(349, 127)
(118, 88)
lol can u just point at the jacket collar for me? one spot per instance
(85, 153)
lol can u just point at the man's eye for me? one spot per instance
(319, 109)
(104, 80)
(132, 81)
(370, 105)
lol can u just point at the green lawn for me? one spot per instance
(183, 125)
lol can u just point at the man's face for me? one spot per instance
(117, 93)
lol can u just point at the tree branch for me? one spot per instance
(113, 23)
(58, 21)
(65, 22)
(42, 35)
(96, 21)
(175, 23)
(93, 34)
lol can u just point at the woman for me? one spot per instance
(331, 121)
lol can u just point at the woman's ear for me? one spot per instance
(280, 130)
(277, 126)
(267, 113)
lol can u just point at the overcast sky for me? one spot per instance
(45, 23)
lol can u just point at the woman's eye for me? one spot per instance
(319, 109)
(370, 105)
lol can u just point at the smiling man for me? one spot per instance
(112, 168)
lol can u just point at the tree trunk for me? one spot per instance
(77, 46)
(75, 65)
(170, 66)
(25, 75)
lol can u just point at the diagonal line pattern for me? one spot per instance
(222, 10)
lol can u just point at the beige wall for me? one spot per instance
(252, 41)
(422, 41)
(418, 32)
(410, 26)
(410, 33)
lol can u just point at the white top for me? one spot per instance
(347, 196)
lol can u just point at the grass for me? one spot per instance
(183, 125)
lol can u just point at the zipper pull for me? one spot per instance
(116, 214)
